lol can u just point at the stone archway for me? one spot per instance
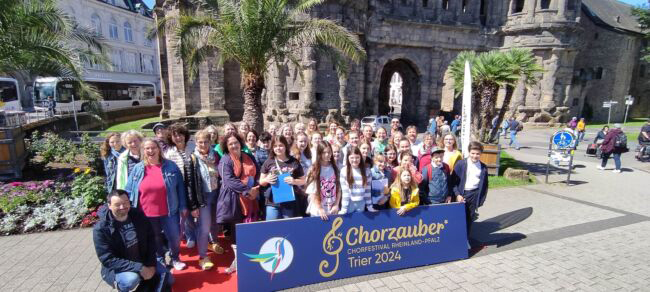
(410, 89)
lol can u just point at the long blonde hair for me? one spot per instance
(397, 184)
(144, 158)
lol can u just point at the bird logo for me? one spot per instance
(275, 256)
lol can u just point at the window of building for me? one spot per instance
(112, 30)
(642, 71)
(319, 96)
(130, 62)
(294, 95)
(147, 41)
(465, 5)
(483, 12)
(445, 4)
(545, 4)
(596, 35)
(128, 32)
(425, 3)
(96, 23)
(571, 4)
(147, 64)
(598, 74)
(518, 6)
(116, 60)
(403, 2)
(576, 101)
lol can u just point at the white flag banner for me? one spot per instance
(466, 114)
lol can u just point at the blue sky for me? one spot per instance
(633, 2)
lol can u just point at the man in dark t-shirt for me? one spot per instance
(124, 243)
(644, 136)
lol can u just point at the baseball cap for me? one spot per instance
(435, 149)
(158, 125)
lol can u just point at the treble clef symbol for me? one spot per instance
(330, 242)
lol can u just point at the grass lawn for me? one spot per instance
(134, 125)
(500, 181)
(631, 123)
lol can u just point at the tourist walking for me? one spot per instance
(614, 144)
(514, 126)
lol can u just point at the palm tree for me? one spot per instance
(490, 72)
(37, 38)
(523, 64)
(256, 34)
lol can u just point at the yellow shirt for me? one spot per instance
(395, 201)
(581, 126)
(452, 158)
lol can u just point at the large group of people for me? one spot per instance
(197, 187)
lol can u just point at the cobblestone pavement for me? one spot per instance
(593, 236)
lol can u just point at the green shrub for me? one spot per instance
(90, 188)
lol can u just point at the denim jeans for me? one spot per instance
(192, 227)
(205, 224)
(356, 206)
(513, 140)
(581, 136)
(617, 160)
(279, 212)
(127, 281)
(171, 226)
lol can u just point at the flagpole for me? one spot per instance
(466, 115)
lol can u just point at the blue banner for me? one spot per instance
(281, 254)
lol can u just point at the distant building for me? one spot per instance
(124, 25)
(589, 49)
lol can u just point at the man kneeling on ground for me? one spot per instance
(124, 242)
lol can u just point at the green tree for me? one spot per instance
(38, 39)
(257, 34)
(642, 14)
(491, 71)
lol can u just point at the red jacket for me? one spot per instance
(610, 139)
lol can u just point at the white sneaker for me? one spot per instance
(600, 167)
(616, 171)
(178, 265)
(190, 244)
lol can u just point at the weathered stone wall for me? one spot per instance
(419, 39)
(616, 54)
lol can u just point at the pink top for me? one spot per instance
(153, 194)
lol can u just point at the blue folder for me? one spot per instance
(282, 191)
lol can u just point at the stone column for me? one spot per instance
(547, 84)
(529, 8)
(164, 76)
(212, 91)
(175, 71)
(308, 92)
(561, 9)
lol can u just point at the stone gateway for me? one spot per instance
(589, 49)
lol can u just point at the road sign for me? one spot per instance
(606, 105)
(629, 101)
(563, 139)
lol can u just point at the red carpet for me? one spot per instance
(216, 279)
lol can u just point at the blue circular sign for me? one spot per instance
(563, 139)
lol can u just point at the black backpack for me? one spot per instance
(620, 141)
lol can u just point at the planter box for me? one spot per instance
(12, 152)
(492, 158)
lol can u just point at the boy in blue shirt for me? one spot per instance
(435, 187)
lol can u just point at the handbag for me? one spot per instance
(249, 206)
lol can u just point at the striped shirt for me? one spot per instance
(357, 191)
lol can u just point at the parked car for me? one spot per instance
(376, 122)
